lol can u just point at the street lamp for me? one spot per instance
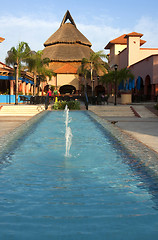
(98, 80)
(115, 67)
(16, 83)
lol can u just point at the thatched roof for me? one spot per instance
(67, 33)
(67, 52)
(66, 17)
(67, 43)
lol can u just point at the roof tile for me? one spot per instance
(123, 40)
(67, 68)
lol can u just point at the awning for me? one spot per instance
(6, 78)
(27, 80)
(13, 78)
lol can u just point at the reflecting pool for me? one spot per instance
(98, 192)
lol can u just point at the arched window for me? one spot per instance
(147, 88)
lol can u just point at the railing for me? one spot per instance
(86, 101)
(10, 99)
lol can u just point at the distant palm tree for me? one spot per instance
(84, 72)
(17, 56)
(116, 77)
(38, 66)
(97, 65)
(122, 75)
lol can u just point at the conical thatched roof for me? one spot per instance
(67, 33)
(67, 43)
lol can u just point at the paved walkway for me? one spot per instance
(12, 116)
(143, 128)
(9, 123)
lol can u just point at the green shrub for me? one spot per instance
(156, 106)
(72, 105)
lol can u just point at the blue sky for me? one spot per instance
(33, 21)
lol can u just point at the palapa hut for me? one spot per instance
(66, 48)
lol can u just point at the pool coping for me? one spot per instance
(147, 157)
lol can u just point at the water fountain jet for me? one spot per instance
(68, 133)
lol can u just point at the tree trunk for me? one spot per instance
(16, 84)
(35, 82)
(92, 79)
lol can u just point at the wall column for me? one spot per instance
(156, 89)
(152, 91)
(11, 87)
(27, 89)
(32, 88)
(23, 88)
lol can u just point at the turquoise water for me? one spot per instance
(100, 192)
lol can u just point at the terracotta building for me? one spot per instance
(127, 51)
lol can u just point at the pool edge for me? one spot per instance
(8, 139)
(146, 156)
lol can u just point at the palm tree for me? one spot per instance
(84, 72)
(17, 56)
(96, 65)
(37, 65)
(116, 77)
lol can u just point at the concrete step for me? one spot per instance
(112, 111)
(19, 110)
(144, 112)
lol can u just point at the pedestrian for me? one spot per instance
(49, 94)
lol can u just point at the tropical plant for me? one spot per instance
(84, 72)
(96, 62)
(72, 105)
(116, 77)
(38, 66)
(120, 75)
(97, 65)
(124, 74)
(156, 106)
(18, 55)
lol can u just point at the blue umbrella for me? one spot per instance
(126, 87)
(130, 84)
(121, 85)
(133, 83)
(138, 83)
